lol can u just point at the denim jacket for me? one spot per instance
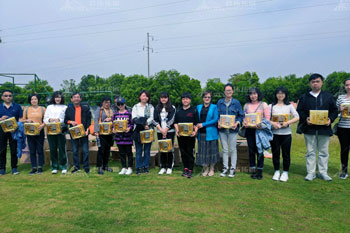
(234, 108)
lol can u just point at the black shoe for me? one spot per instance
(100, 171)
(75, 170)
(343, 176)
(185, 172)
(259, 175)
(40, 171)
(138, 171)
(253, 175)
(108, 169)
(145, 170)
(87, 170)
(189, 174)
(34, 171)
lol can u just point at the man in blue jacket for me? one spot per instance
(228, 137)
(8, 109)
(316, 136)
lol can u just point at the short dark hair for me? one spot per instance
(286, 93)
(75, 93)
(253, 90)
(206, 93)
(315, 76)
(168, 105)
(147, 94)
(229, 85)
(186, 95)
(56, 94)
(347, 79)
(106, 98)
(30, 98)
(6, 90)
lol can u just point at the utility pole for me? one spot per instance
(148, 49)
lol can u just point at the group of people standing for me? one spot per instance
(164, 118)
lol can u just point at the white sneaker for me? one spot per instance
(129, 171)
(325, 176)
(123, 171)
(169, 171)
(284, 176)
(224, 172)
(162, 171)
(64, 171)
(54, 171)
(232, 173)
(310, 176)
(276, 176)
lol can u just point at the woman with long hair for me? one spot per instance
(282, 133)
(35, 114)
(164, 115)
(343, 104)
(142, 116)
(55, 112)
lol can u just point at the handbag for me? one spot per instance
(335, 129)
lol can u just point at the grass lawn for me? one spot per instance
(112, 203)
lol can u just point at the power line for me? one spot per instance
(169, 24)
(148, 49)
(96, 15)
(245, 45)
(122, 21)
(250, 29)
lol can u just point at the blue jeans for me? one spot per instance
(36, 145)
(142, 161)
(85, 146)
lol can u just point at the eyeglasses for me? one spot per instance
(207, 97)
(120, 104)
(228, 91)
(7, 96)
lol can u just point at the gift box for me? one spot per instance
(9, 125)
(165, 145)
(280, 118)
(185, 129)
(31, 129)
(253, 119)
(346, 111)
(105, 128)
(77, 131)
(318, 117)
(120, 125)
(147, 136)
(53, 128)
(227, 121)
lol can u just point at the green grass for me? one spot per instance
(112, 203)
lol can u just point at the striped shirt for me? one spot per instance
(124, 138)
(343, 122)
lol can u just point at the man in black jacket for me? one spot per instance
(77, 114)
(316, 136)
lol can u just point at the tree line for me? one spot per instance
(93, 87)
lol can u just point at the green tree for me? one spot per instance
(216, 87)
(242, 83)
(131, 87)
(334, 83)
(69, 86)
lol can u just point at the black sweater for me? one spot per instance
(324, 101)
(85, 115)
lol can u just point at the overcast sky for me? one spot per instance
(66, 39)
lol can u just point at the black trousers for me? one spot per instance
(4, 138)
(104, 150)
(344, 140)
(125, 151)
(279, 142)
(253, 150)
(186, 146)
(167, 159)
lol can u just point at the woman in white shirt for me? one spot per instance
(55, 113)
(282, 134)
(142, 116)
